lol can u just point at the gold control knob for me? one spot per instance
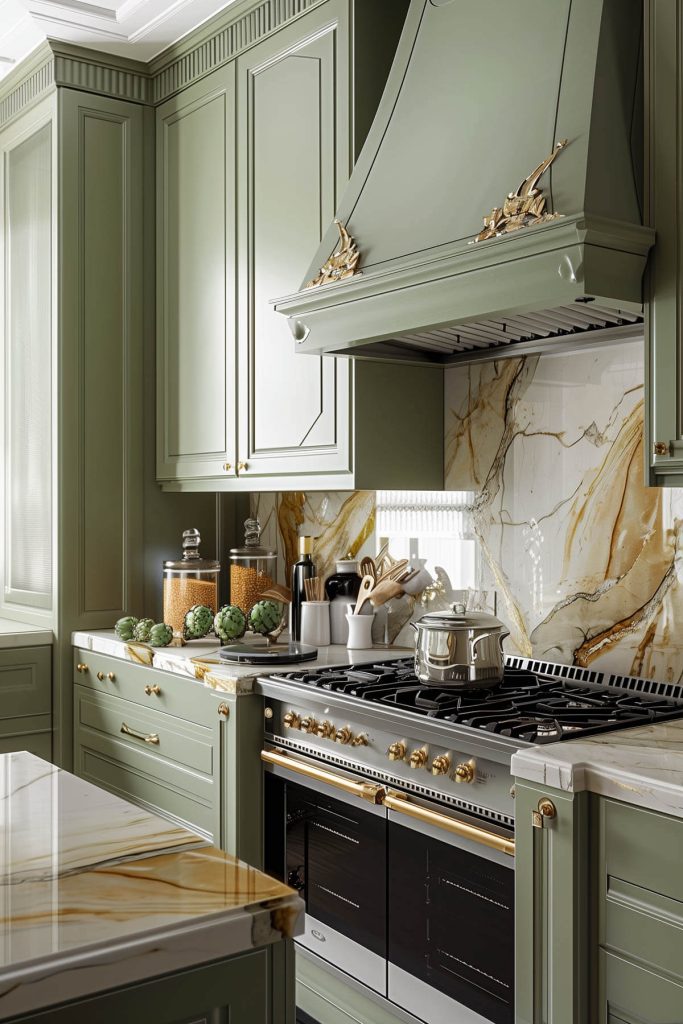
(268, 713)
(464, 772)
(325, 729)
(153, 690)
(441, 765)
(291, 720)
(344, 735)
(397, 751)
(308, 724)
(361, 740)
(418, 758)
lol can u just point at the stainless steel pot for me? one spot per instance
(459, 649)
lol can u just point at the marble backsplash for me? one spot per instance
(585, 559)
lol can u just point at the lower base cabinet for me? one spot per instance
(599, 898)
(26, 700)
(173, 746)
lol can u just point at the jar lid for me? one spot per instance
(252, 546)
(192, 561)
(348, 565)
(458, 618)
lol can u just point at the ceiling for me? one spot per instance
(132, 28)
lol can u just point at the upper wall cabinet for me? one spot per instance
(664, 199)
(251, 162)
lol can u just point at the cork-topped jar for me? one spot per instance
(253, 568)
(189, 581)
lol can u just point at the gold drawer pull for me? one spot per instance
(82, 668)
(400, 802)
(153, 689)
(149, 738)
(111, 677)
(100, 676)
(242, 467)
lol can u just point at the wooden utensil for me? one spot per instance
(384, 592)
(368, 567)
(314, 588)
(394, 571)
(366, 588)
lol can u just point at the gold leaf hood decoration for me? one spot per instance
(343, 263)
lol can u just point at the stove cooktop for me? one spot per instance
(527, 705)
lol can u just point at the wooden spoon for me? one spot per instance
(366, 588)
(368, 567)
(384, 592)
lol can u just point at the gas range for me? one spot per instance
(453, 745)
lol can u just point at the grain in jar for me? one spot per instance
(190, 580)
(252, 568)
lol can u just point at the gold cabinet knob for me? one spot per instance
(361, 740)
(325, 729)
(441, 765)
(291, 720)
(464, 772)
(82, 668)
(223, 710)
(397, 751)
(344, 735)
(111, 677)
(100, 676)
(242, 466)
(154, 689)
(545, 814)
(308, 724)
(227, 466)
(418, 758)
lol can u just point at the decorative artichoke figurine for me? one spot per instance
(142, 630)
(229, 623)
(125, 627)
(265, 616)
(198, 622)
(160, 635)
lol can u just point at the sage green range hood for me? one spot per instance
(480, 94)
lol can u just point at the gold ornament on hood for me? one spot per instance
(522, 209)
(343, 263)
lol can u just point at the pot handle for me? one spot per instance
(501, 634)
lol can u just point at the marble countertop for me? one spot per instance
(97, 893)
(642, 766)
(20, 634)
(199, 659)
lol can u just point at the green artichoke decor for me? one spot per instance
(229, 623)
(142, 630)
(125, 627)
(160, 635)
(265, 616)
(198, 622)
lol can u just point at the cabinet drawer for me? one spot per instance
(636, 995)
(160, 691)
(25, 682)
(176, 771)
(643, 924)
(641, 847)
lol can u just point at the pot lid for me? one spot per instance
(458, 618)
(192, 561)
(252, 546)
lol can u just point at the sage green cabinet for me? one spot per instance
(238, 409)
(598, 910)
(26, 700)
(175, 747)
(664, 198)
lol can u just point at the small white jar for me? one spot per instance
(360, 631)
(315, 623)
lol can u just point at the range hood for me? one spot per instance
(481, 94)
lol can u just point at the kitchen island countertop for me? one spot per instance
(641, 766)
(99, 894)
(21, 634)
(199, 659)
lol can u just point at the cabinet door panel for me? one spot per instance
(294, 157)
(196, 308)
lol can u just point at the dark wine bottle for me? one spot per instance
(302, 570)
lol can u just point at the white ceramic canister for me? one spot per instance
(360, 631)
(315, 623)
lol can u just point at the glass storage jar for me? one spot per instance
(189, 581)
(253, 569)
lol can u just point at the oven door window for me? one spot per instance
(451, 921)
(335, 856)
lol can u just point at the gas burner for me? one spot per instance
(529, 706)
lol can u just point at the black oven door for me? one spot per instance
(331, 847)
(451, 918)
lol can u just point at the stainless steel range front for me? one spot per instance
(389, 806)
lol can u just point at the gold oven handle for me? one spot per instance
(149, 738)
(365, 790)
(399, 802)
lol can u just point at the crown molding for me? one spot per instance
(56, 64)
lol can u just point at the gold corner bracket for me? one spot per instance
(341, 264)
(522, 209)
